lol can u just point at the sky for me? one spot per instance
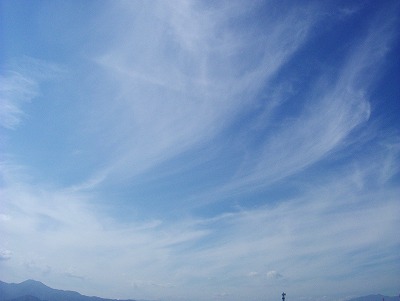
(201, 150)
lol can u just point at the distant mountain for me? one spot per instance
(376, 298)
(31, 290)
(25, 298)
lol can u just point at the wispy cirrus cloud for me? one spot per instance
(335, 107)
(187, 87)
(303, 237)
(15, 90)
(200, 91)
(279, 184)
(19, 84)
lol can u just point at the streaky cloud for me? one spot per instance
(15, 90)
(201, 150)
(20, 83)
(337, 105)
(191, 82)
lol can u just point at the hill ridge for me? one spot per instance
(33, 290)
(42, 292)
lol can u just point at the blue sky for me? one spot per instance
(181, 150)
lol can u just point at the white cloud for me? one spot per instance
(336, 107)
(72, 274)
(221, 295)
(5, 254)
(15, 89)
(311, 236)
(185, 89)
(334, 110)
(4, 217)
(20, 84)
(253, 274)
(274, 275)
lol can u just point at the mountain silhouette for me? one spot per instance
(26, 298)
(32, 290)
